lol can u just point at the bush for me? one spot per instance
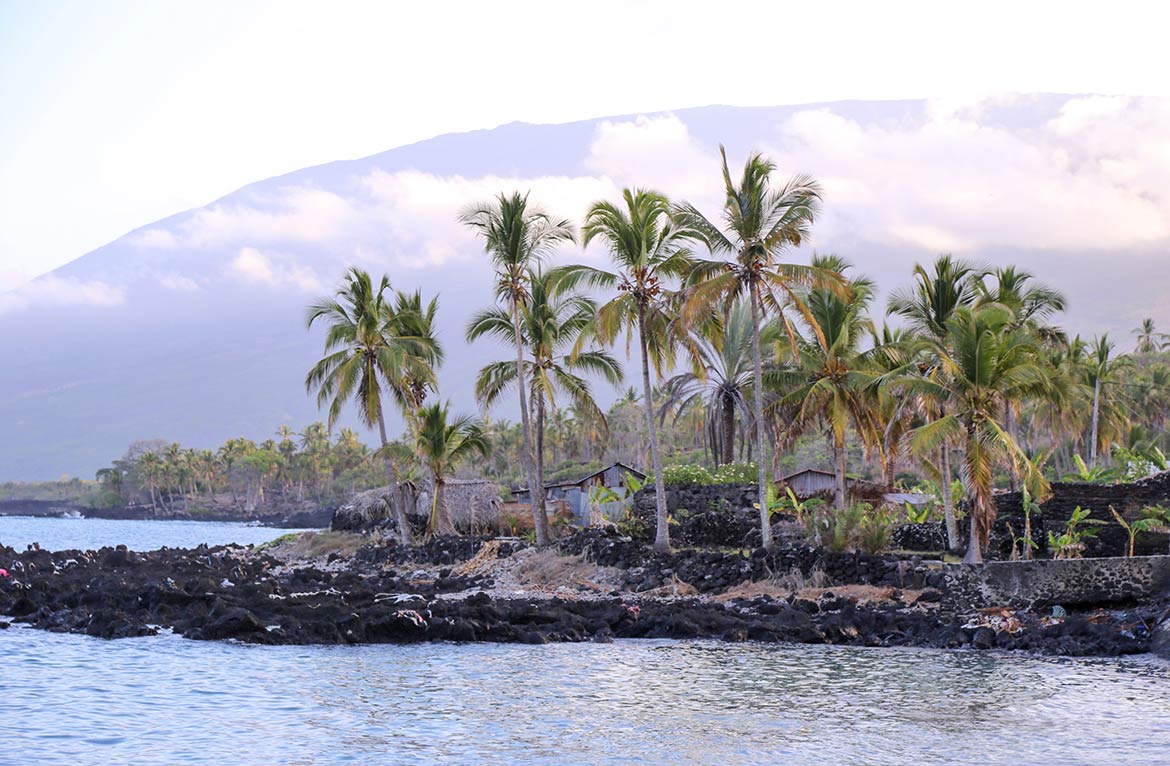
(858, 526)
(875, 529)
(731, 473)
(736, 473)
(687, 474)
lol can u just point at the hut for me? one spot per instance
(812, 482)
(575, 494)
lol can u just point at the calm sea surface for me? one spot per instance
(56, 534)
(164, 700)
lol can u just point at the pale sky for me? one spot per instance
(115, 114)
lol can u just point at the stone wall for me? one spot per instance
(1112, 539)
(718, 514)
(1067, 582)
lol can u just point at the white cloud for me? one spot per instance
(179, 283)
(290, 214)
(1095, 177)
(153, 239)
(275, 271)
(58, 291)
(654, 152)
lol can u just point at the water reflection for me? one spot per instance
(165, 700)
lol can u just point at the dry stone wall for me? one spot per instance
(1064, 582)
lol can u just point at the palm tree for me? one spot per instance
(928, 307)
(1033, 304)
(981, 366)
(151, 468)
(761, 221)
(1149, 340)
(648, 249)
(893, 413)
(371, 343)
(517, 236)
(441, 443)
(722, 385)
(1102, 369)
(831, 380)
(552, 322)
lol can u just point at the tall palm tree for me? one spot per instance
(1033, 304)
(928, 306)
(648, 250)
(552, 324)
(723, 384)
(893, 414)
(760, 221)
(829, 378)
(1102, 369)
(981, 365)
(371, 343)
(517, 236)
(1149, 340)
(441, 442)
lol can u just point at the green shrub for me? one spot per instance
(858, 526)
(736, 473)
(875, 528)
(686, 474)
(1070, 544)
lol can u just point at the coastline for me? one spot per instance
(345, 589)
(300, 519)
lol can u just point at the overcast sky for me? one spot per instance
(118, 113)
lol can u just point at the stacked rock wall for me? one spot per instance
(1067, 582)
(1111, 540)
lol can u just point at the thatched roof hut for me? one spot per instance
(470, 501)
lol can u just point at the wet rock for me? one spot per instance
(983, 638)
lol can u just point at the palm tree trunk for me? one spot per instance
(536, 489)
(953, 541)
(661, 521)
(400, 517)
(758, 411)
(1096, 411)
(727, 431)
(1009, 423)
(443, 523)
(978, 496)
(842, 487)
(539, 434)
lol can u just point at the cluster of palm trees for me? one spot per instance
(968, 370)
(241, 473)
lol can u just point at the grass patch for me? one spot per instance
(312, 545)
(549, 569)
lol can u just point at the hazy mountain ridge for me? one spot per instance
(191, 328)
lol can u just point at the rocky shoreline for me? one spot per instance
(464, 589)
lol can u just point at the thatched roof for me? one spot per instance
(467, 499)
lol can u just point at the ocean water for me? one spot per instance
(76, 700)
(57, 534)
(165, 700)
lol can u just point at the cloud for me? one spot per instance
(287, 214)
(654, 152)
(59, 291)
(153, 239)
(254, 266)
(179, 283)
(1094, 177)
